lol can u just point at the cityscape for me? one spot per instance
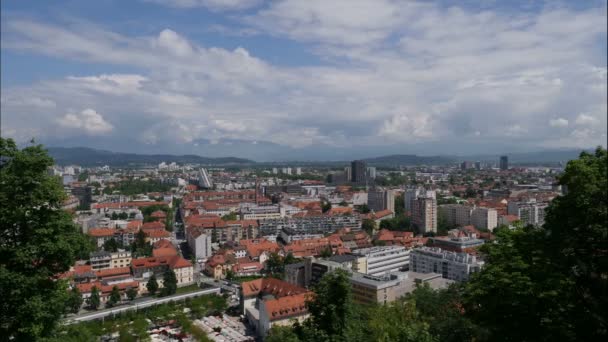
(303, 171)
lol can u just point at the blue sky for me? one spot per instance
(313, 79)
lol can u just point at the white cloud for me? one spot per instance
(391, 72)
(88, 120)
(585, 120)
(559, 122)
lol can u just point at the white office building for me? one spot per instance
(383, 259)
(451, 265)
(529, 213)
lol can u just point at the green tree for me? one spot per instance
(398, 321)
(114, 216)
(123, 216)
(110, 245)
(94, 301)
(74, 301)
(83, 176)
(441, 310)
(230, 217)
(38, 241)
(152, 285)
(131, 293)
(169, 283)
(325, 206)
(114, 297)
(281, 334)
(369, 226)
(363, 209)
(331, 308)
(549, 283)
(274, 265)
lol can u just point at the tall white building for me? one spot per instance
(204, 181)
(288, 171)
(451, 265)
(424, 213)
(379, 199)
(529, 213)
(348, 173)
(462, 215)
(371, 172)
(275, 171)
(484, 218)
(298, 171)
(382, 259)
(199, 243)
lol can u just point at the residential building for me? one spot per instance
(199, 243)
(424, 214)
(144, 268)
(382, 289)
(463, 215)
(382, 259)
(484, 218)
(529, 213)
(101, 235)
(267, 302)
(379, 199)
(451, 265)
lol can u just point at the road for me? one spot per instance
(137, 305)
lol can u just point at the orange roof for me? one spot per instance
(340, 211)
(153, 225)
(382, 213)
(79, 269)
(285, 307)
(163, 243)
(134, 224)
(165, 251)
(157, 233)
(510, 218)
(101, 232)
(158, 214)
(172, 261)
(113, 272)
(275, 287)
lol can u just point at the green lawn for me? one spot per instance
(244, 279)
(187, 289)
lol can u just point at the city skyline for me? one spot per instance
(316, 79)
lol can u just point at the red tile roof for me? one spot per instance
(286, 307)
(275, 287)
(173, 262)
(153, 225)
(113, 272)
(101, 232)
(157, 233)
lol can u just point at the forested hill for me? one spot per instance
(92, 157)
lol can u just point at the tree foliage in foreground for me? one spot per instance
(550, 283)
(38, 241)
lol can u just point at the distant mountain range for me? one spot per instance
(409, 160)
(91, 157)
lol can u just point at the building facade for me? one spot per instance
(451, 265)
(424, 214)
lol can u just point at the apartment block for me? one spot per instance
(451, 265)
(382, 259)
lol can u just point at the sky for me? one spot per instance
(305, 80)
